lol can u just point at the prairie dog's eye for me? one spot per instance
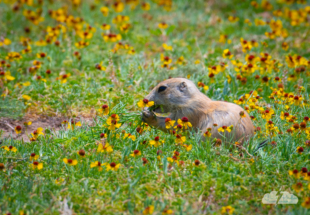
(161, 88)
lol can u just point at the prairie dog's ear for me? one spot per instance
(183, 87)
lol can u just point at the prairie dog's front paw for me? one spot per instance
(148, 117)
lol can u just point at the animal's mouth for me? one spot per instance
(159, 109)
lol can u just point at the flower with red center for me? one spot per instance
(144, 161)
(227, 210)
(304, 171)
(227, 54)
(298, 187)
(2, 167)
(37, 165)
(218, 142)
(306, 119)
(169, 123)
(242, 114)
(208, 133)
(188, 147)
(145, 103)
(70, 162)
(184, 122)
(63, 78)
(303, 126)
(136, 153)
(130, 136)
(300, 150)
(104, 147)
(33, 156)
(18, 129)
(10, 148)
(81, 152)
(156, 142)
(105, 27)
(196, 163)
(162, 25)
(306, 203)
(104, 109)
(295, 173)
(113, 166)
(41, 55)
(225, 128)
(103, 135)
(98, 165)
(178, 127)
(180, 139)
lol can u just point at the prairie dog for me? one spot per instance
(181, 98)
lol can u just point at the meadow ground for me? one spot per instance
(71, 76)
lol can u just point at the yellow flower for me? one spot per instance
(233, 19)
(5, 42)
(10, 148)
(197, 62)
(145, 6)
(148, 210)
(298, 187)
(6, 76)
(18, 129)
(155, 142)
(81, 44)
(306, 203)
(34, 157)
(130, 136)
(26, 97)
(104, 109)
(188, 147)
(227, 54)
(145, 103)
(111, 37)
(135, 153)
(70, 162)
(169, 123)
(113, 166)
(184, 122)
(227, 210)
(73, 124)
(63, 78)
(106, 147)
(294, 173)
(97, 164)
(21, 212)
(59, 181)
(37, 165)
(167, 211)
(118, 6)
(104, 11)
(180, 139)
(225, 128)
(167, 47)
(37, 132)
(105, 27)
(162, 25)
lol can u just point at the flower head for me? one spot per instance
(70, 162)
(145, 103)
(113, 166)
(37, 165)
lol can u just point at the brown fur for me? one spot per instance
(182, 98)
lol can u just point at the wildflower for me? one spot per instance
(113, 166)
(145, 103)
(188, 147)
(184, 122)
(41, 55)
(304, 171)
(167, 211)
(300, 150)
(298, 187)
(180, 139)
(33, 156)
(104, 109)
(295, 173)
(81, 44)
(145, 6)
(227, 210)
(218, 142)
(130, 136)
(63, 78)
(207, 133)
(167, 47)
(2, 167)
(18, 129)
(156, 142)
(106, 147)
(148, 210)
(73, 124)
(169, 123)
(10, 148)
(6, 76)
(37, 165)
(285, 46)
(111, 37)
(104, 11)
(233, 19)
(162, 25)
(196, 163)
(81, 152)
(144, 161)
(105, 27)
(136, 153)
(59, 181)
(242, 114)
(306, 203)
(227, 54)
(200, 84)
(70, 162)
(97, 164)
(225, 128)
(118, 7)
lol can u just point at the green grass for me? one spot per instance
(223, 178)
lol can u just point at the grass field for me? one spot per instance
(85, 63)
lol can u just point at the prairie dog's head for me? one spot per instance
(173, 93)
